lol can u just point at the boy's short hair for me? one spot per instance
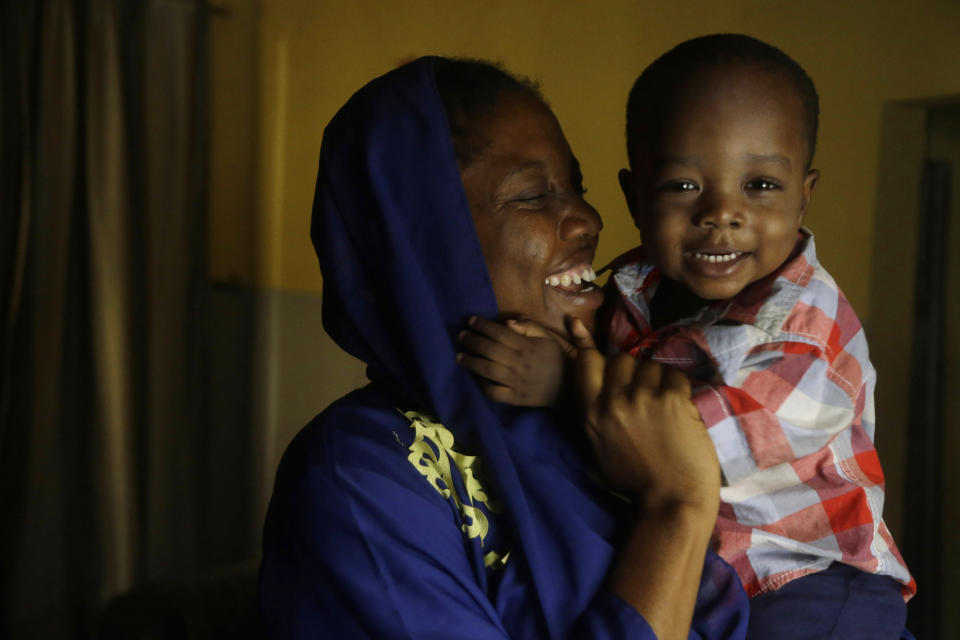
(652, 91)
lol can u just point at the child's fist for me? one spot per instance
(519, 364)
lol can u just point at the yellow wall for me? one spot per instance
(234, 142)
(313, 55)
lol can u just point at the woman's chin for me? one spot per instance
(581, 305)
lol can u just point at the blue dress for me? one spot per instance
(416, 507)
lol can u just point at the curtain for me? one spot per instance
(105, 456)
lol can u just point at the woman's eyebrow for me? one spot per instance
(523, 167)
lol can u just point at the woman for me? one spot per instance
(446, 190)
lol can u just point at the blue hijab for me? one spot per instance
(402, 271)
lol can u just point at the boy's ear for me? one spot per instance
(628, 185)
(809, 183)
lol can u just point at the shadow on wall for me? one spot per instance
(270, 368)
(275, 369)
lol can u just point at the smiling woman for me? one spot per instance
(538, 234)
(418, 507)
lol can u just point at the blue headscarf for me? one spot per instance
(402, 271)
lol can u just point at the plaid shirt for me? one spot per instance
(783, 382)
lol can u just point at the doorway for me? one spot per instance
(914, 333)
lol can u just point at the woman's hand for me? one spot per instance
(649, 440)
(646, 433)
(521, 363)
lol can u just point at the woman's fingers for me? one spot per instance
(618, 376)
(581, 335)
(675, 380)
(569, 351)
(647, 376)
(603, 381)
(589, 367)
(645, 430)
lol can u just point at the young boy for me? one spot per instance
(727, 287)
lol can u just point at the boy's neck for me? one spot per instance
(671, 302)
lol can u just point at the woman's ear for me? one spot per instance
(628, 184)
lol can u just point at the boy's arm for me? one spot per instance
(519, 363)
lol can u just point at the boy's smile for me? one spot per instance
(721, 187)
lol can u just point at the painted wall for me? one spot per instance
(312, 56)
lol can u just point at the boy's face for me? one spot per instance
(721, 187)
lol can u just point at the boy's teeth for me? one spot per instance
(714, 257)
(565, 280)
(576, 279)
(553, 281)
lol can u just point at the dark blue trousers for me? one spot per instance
(839, 603)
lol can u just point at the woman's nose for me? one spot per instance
(718, 211)
(581, 220)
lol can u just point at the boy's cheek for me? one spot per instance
(664, 220)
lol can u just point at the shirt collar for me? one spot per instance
(765, 303)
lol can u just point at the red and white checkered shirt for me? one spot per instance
(783, 382)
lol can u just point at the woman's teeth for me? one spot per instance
(571, 277)
(717, 257)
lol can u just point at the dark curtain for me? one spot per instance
(104, 453)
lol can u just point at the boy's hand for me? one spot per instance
(521, 363)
